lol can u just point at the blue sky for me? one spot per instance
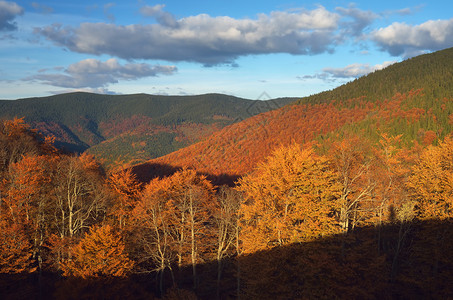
(241, 48)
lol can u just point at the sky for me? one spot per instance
(249, 49)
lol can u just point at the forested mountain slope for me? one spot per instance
(132, 127)
(431, 72)
(413, 98)
(366, 212)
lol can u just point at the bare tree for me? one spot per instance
(226, 219)
(77, 193)
(153, 231)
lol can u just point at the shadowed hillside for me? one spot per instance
(360, 222)
(414, 261)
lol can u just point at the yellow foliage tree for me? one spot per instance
(171, 216)
(289, 198)
(431, 183)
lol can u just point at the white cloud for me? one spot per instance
(8, 12)
(222, 40)
(94, 74)
(202, 38)
(409, 40)
(86, 90)
(355, 70)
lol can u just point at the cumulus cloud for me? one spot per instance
(401, 39)
(8, 12)
(202, 38)
(221, 40)
(92, 73)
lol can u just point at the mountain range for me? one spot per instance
(360, 195)
(226, 136)
(132, 128)
(413, 98)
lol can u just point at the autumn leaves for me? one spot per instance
(173, 220)
(100, 253)
(431, 181)
(289, 198)
(297, 195)
(66, 214)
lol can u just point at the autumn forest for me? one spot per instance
(344, 194)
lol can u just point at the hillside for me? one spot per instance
(413, 98)
(100, 234)
(431, 72)
(368, 209)
(131, 127)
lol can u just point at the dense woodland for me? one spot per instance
(361, 220)
(412, 98)
(343, 199)
(131, 128)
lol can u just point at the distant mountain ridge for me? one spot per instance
(130, 127)
(413, 98)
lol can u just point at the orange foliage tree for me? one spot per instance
(185, 199)
(390, 171)
(152, 230)
(189, 201)
(125, 191)
(431, 182)
(291, 197)
(100, 253)
(16, 251)
(25, 184)
(17, 139)
(24, 199)
(27, 199)
(431, 189)
(355, 164)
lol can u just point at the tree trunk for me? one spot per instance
(219, 276)
(161, 279)
(193, 251)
